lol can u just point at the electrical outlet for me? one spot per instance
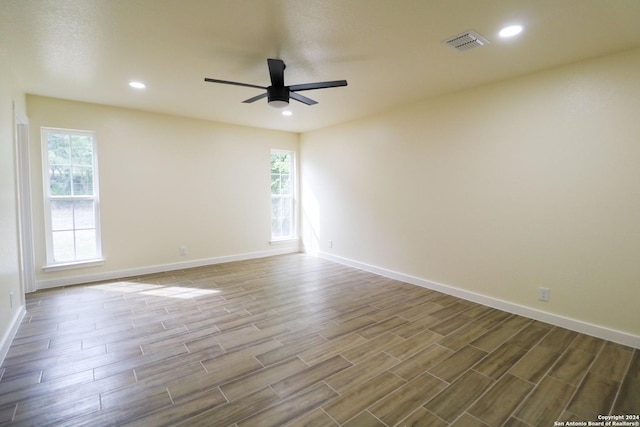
(543, 294)
(330, 243)
(183, 250)
(11, 299)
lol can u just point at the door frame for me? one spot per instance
(25, 222)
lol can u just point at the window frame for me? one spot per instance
(51, 263)
(292, 196)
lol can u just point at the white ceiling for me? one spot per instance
(390, 51)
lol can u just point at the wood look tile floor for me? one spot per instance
(296, 340)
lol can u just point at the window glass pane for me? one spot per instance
(286, 227)
(63, 249)
(285, 208)
(280, 162)
(276, 208)
(82, 180)
(84, 214)
(276, 230)
(285, 217)
(85, 244)
(82, 150)
(285, 184)
(59, 149)
(60, 180)
(275, 183)
(61, 215)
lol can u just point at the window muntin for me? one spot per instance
(282, 195)
(71, 196)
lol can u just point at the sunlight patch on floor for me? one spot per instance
(155, 290)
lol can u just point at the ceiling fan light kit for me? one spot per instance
(278, 94)
(278, 97)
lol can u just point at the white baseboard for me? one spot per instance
(111, 275)
(8, 337)
(532, 313)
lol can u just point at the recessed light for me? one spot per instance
(510, 31)
(137, 85)
(287, 113)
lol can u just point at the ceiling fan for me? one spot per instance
(278, 94)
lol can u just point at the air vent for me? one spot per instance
(467, 40)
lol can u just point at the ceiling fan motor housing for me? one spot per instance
(278, 96)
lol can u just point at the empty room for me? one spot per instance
(320, 213)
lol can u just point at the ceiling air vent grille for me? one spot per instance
(467, 40)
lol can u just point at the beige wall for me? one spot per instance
(9, 254)
(165, 182)
(496, 191)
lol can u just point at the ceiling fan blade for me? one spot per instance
(255, 98)
(206, 79)
(301, 98)
(276, 72)
(319, 85)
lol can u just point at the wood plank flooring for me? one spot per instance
(296, 340)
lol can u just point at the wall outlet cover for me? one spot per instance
(543, 294)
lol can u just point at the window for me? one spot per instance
(71, 196)
(282, 195)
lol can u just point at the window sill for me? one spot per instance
(284, 241)
(72, 265)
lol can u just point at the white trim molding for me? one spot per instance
(111, 275)
(532, 313)
(72, 265)
(8, 337)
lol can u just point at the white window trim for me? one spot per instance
(71, 265)
(294, 208)
(52, 265)
(284, 241)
